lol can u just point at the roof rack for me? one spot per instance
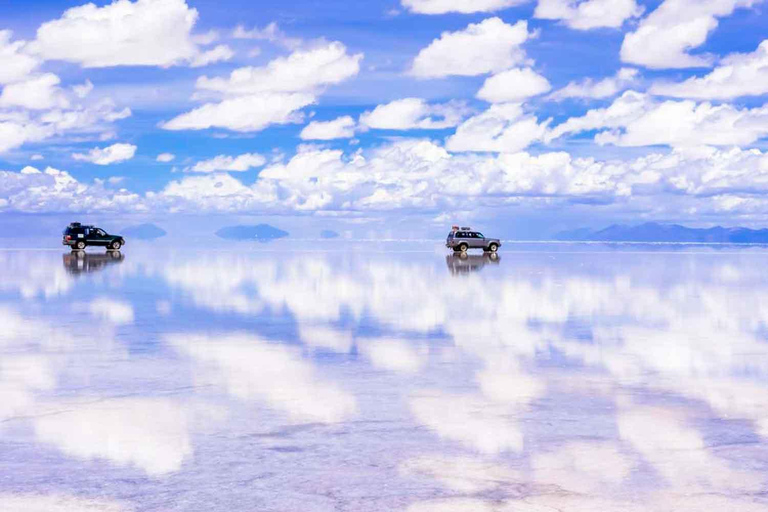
(466, 229)
(75, 224)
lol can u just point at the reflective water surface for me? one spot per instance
(549, 378)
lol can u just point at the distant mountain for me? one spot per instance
(261, 232)
(654, 232)
(329, 234)
(144, 232)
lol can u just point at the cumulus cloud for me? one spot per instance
(340, 128)
(637, 119)
(113, 154)
(229, 163)
(122, 33)
(414, 113)
(513, 85)
(39, 92)
(36, 108)
(220, 53)
(302, 71)
(501, 128)
(256, 97)
(408, 175)
(245, 114)
(166, 157)
(461, 6)
(740, 74)
(35, 191)
(605, 88)
(664, 38)
(17, 64)
(588, 14)
(271, 33)
(481, 48)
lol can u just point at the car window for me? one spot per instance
(100, 232)
(479, 235)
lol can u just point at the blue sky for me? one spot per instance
(496, 112)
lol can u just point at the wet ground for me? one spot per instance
(367, 377)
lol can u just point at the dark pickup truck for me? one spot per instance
(79, 237)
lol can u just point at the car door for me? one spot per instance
(476, 242)
(97, 237)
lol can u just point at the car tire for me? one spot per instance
(80, 246)
(463, 247)
(493, 247)
(115, 246)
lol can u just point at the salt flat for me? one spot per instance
(358, 376)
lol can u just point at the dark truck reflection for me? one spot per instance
(81, 262)
(462, 263)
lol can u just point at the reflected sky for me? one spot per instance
(547, 378)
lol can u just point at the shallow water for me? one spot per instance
(376, 377)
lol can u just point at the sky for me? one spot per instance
(520, 116)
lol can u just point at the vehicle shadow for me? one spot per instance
(81, 262)
(461, 263)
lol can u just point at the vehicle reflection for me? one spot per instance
(461, 263)
(81, 262)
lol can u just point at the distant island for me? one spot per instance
(144, 232)
(261, 233)
(327, 233)
(653, 232)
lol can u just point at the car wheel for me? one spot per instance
(463, 247)
(493, 247)
(115, 246)
(80, 245)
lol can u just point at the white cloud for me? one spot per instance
(221, 53)
(481, 48)
(17, 64)
(636, 119)
(53, 190)
(501, 128)
(166, 157)
(83, 90)
(229, 163)
(340, 128)
(664, 38)
(302, 71)
(605, 88)
(588, 14)
(513, 85)
(271, 33)
(246, 113)
(39, 92)
(257, 97)
(414, 113)
(206, 38)
(417, 175)
(123, 33)
(739, 74)
(115, 153)
(461, 6)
